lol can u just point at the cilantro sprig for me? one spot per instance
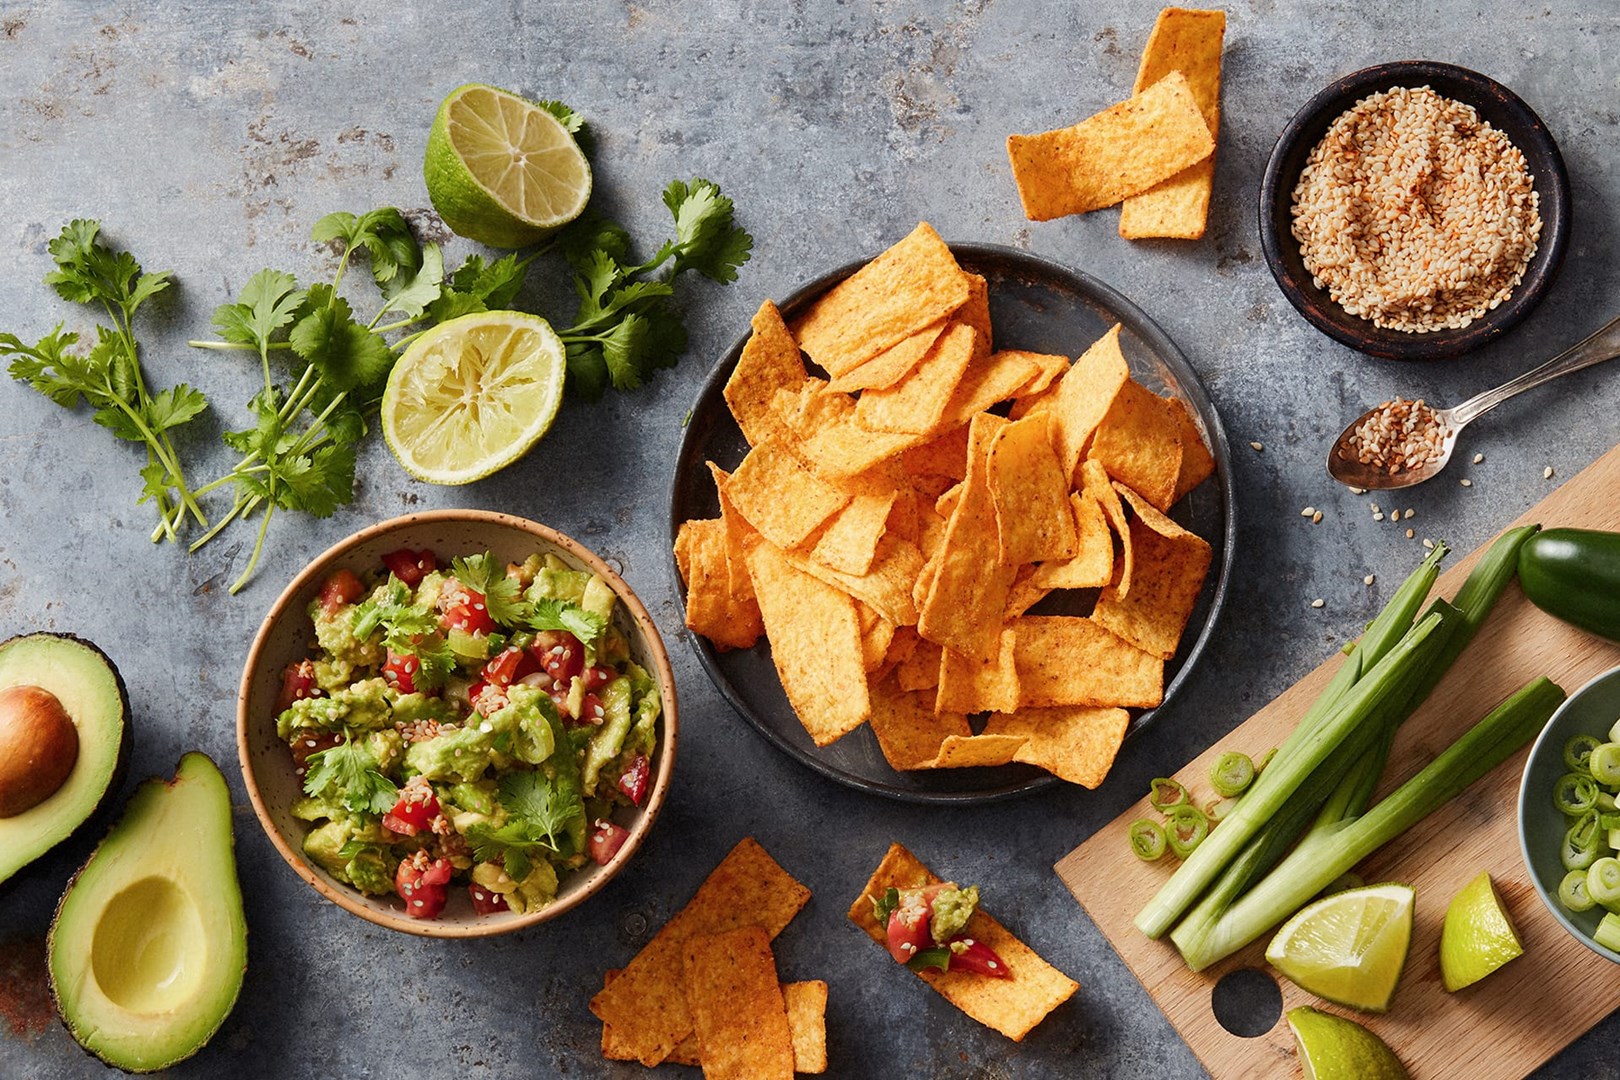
(544, 817)
(407, 628)
(108, 376)
(502, 596)
(348, 773)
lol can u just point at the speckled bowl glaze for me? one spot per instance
(1505, 112)
(286, 636)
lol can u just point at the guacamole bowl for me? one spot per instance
(287, 636)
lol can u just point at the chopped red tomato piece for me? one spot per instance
(412, 813)
(341, 588)
(605, 841)
(908, 927)
(591, 710)
(423, 885)
(470, 616)
(400, 671)
(595, 677)
(309, 743)
(486, 698)
(560, 653)
(510, 665)
(633, 781)
(297, 683)
(485, 901)
(978, 958)
(410, 566)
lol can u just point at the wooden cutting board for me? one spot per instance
(1499, 1029)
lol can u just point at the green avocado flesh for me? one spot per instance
(149, 946)
(88, 686)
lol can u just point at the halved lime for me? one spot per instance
(1333, 1048)
(472, 395)
(1350, 947)
(502, 170)
(1477, 937)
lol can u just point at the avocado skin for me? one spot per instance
(62, 1009)
(115, 782)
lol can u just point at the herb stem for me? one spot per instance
(258, 549)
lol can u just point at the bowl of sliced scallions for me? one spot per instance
(1569, 819)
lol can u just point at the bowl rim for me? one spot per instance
(1360, 334)
(669, 723)
(1547, 900)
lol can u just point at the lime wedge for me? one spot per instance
(472, 395)
(501, 169)
(1350, 947)
(1477, 937)
(1333, 1048)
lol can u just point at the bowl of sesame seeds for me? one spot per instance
(1415, 210)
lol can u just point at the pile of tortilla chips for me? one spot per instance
(704, 990)
(1013, 1005)
(1155, 152)
(887, 531)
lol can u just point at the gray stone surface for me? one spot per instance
(209, 137)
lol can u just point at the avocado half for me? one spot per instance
(91, 691)
(149, 945)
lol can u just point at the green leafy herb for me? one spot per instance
(483, 574)
(108, 376)
(542, 815)
(407, 629)
(553, 614)
(347, 773)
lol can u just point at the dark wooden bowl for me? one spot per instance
(1505, 112)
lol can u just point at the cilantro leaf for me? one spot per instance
(348, 773)
(88, 271)
(435, 659)
(543, 818)
(706, 238)
(383, 234)
(345, 354)
(410, 294)
(265, 306)
(483, 574)
(172, 407)
(552, 614)
(588, 376)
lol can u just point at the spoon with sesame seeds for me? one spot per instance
(1405, 442)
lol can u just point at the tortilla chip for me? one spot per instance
(1064, 660)
(892, 364)
(914, 283)
(1139, 444)
(976, 313)
(1084, 396)
(769, 362)
(1092, 567)
(945, 455)
(970, 685)
(1187, 41)
(875, 641)
(908, 730)
(886, 586)
(1012, 1006)
(945, 505)
(916, 404)
(920, 671)
(1031, 493)
(1076, 743)
(740, 536)
(1048, 370)
(1099, 487)
(807, 1019)
(807, 408)
(1026, 593)
(1029, 405)
(903, 515)
(646, 1005)
(1170, 566)
(737, 1008)
(963, 608)
(1197, 464)
(850, 541)
(990, 379)
(1121, 151)
(780, 497)
(815, 644)
(976, 751)
(844, 448)
(712, 607)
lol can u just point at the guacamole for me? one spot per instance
(471, 723)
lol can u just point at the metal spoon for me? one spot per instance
(1342, 463)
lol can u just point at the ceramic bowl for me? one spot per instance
(286, 636)
(1496, 104)
(1591, 710)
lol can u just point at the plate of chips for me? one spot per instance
(952, 522)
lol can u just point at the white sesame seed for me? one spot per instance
(1378, 515)
(1358, 491)
(1257, 446)
(1479, 459)
(1316, 518)
(991, 964)
(1318, 602)
(1428, 543)
(1465, 482)
(1411, 514)
(1308, 511)
(418, 903)
(1547, 473)
(1410, 534)
(1368, 580)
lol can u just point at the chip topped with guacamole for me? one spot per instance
(471, 724)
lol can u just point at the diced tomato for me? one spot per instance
(635, 778)
(485, 901)
(470, 616)
(908, 928)
(591, 710)
(979, 959)
(410, 566)
(424, 890)
(595, 677)
(400, 671)
(341, 588)
(605, 841)
(308, 744)
(297, 683)
(560, 653)
(410, 816)
(510, 665)
(486, 698)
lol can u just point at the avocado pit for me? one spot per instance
(39, 746)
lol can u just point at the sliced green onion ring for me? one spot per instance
(1166, 794)
(1147, 839)
(1608, 933)
(1578, 750)
(1575, 794)
(1581, 843)
(1186, 829)
(1605, 764)
(1572, 892)
(1603, 881)
(1231, 774)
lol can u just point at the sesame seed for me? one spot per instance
(1410, 534)
(418, 903)
(1479, 459)
(1318, 602)
(1308, 511)
(1428, 543)
(1378, 515)
(1547, 473)
(1257, 446)
(1465, 482)
(1398, 435)
(991, 964)
(1316, 518)
(1358, 491)
(1411, 514)
(1368, 580)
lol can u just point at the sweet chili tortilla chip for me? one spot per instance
(976, 751)
(970, 685)
(1187, 41)
(1099, 487)
(843, 448)
(916, 404)
(976, 313)
(892, 364)
(908, 730)
(1026, 593)
(1139, 444)
(1076, 743)
(1013, 1005)
(780, 497)
(1197, 465)
(1170, 566)
(1048, 370)
(712, 607)
(989, 380)
(886, 586)
(1093, 563)
(914, 283)
(945, 455)
(646, 1005)
(1119, 152)
(850, 541)
(920, 670)
(1065, 660)
(1031, 494)
(815, 641)
(945, 505)
(807, 1019)
(740, 536)
(737, 1008)
(875, 641)
(1084, 396)
(770, 362)
(807, 408)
